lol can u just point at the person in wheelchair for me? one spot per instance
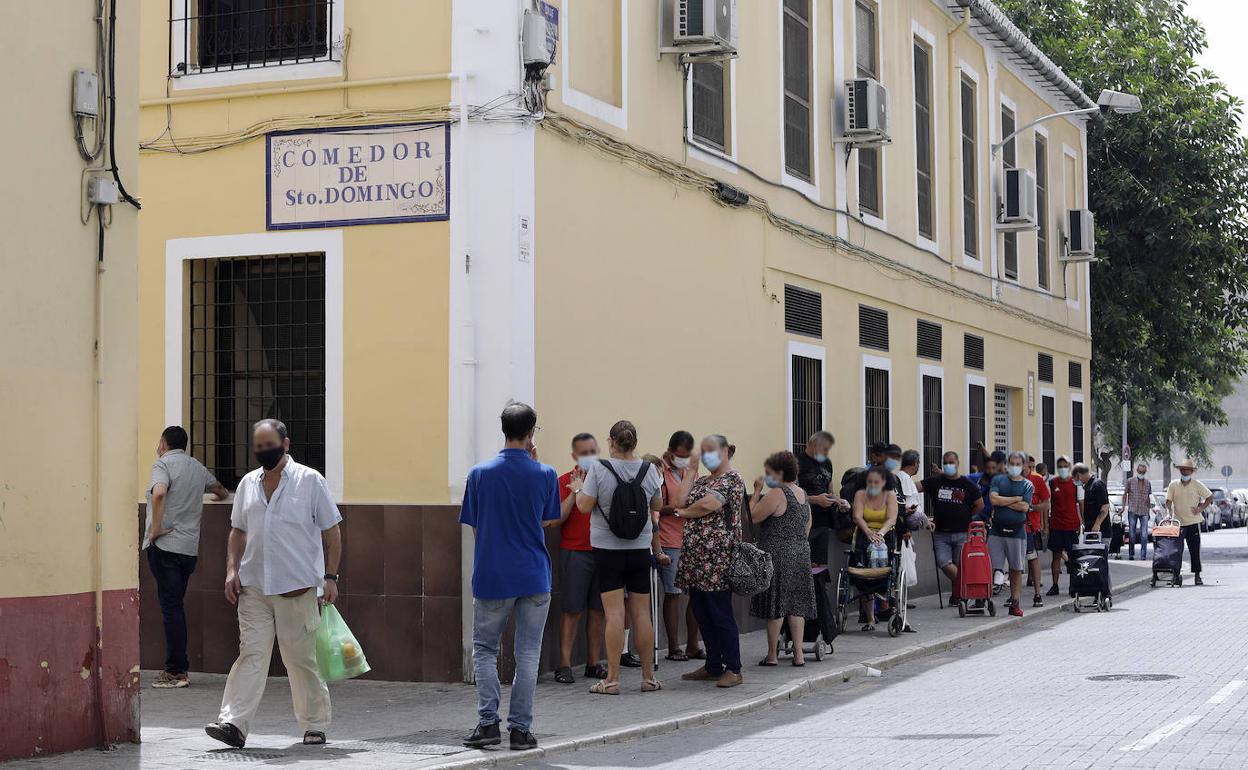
(875, 524)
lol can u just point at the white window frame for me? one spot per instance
(178, 251)
(873, 362)
(923, 242)
(581, 101)
(879, 222)
(1073, 299)
(191, 80)
(971, 74)
(806, 350)
(982, 381)
(726, 161)
(1041, 131)
(1070, 424)
(929, 370)
(1043, 393)
(810, 188)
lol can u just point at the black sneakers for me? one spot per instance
(630, 660)
(522, 740)
(1198, 581)
(1053, 591)
(486, 735)
(226, 733)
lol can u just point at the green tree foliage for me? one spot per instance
(1169, 187)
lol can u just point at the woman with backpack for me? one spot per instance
(712, 528)
(622, 496)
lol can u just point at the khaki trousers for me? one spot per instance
(294, 620)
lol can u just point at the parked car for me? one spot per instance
(1239, 500)
(1219, 513)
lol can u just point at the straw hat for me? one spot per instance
(1186, 463)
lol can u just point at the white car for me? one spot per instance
(1239, 499)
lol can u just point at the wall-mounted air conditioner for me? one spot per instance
(1081, 236)
(1018, 200)
(704, 26)
(866, 112)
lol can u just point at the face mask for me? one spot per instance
(1015, 471)
(874, 491)
(269, 458)
(951, 469)
(1185, 476)
(680, 462)
(821, 458)
(710, 460)
(585, 462)
(1063, 473)
(891, 465)
(1141, 476)
(1079, 483)
(771, 481)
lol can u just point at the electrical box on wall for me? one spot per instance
(102, 190)
(86, 93)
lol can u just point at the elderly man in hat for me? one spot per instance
(1187, 499)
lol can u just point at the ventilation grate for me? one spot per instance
(803, 311)
(973, 355)
(929, 341)
(872, 327)
(1044, 365)
(1076, 374)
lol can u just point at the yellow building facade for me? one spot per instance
(597, 258)
(69, 602)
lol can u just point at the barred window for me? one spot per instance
(807, 404)
(1047, 431)
(923, 138)
(216, 35)
(933, 421)
(977, 421)
(867, 57)
(1009, 159)
(1076, 431)
(1042, 212)
(797, 96)
(710, 84)
(970, 172)
(257, 350)
(875, 404)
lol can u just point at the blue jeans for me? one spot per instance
(172, 572)
(1139, 534)
(489, 620)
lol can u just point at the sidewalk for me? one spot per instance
(399, 724)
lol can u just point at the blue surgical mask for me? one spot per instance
(1185, 476)
(891, 465)
(771, 481)
(821, 458)
(1063, 473)
(951, 469)
(874, 491)
(711, 460)
(585, 462)
(1015, 471)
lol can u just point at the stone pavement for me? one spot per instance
(1159, 682)
(397, 724)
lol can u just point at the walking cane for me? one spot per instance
(940, 596)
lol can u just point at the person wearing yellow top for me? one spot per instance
(875, 518)
(1187, 499)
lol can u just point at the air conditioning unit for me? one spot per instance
(705, 26)
(866, 112)
(1081, 240)
(1018, 200)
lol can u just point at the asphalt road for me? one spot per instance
(1158, 682)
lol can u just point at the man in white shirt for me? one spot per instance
(275, 570)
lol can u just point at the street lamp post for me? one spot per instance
(1109, 101)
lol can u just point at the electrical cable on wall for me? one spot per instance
(112, 104)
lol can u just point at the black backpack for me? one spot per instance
(630, 508)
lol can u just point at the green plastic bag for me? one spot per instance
(338, 655)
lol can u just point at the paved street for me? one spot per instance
(1020, 698)
(1171, 695)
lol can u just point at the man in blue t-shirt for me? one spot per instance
(993, 464)
(507, 502)
(1007, 542)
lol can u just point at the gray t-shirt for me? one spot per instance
(601, 484)
(187, 481)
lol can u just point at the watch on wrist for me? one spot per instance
(331, 576)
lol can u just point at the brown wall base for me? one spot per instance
(48, 688)
(400, 594)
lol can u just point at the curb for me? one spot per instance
(778, 695)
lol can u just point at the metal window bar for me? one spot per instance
(224, 35)
(933, 422)
(1047, 431)
(708, 104)
(807, 383)
(257, 350)
(1001, 427)
(977, 422)
(1076, 430)
(1009, 159)
(875, 404)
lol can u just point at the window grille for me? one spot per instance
(223, 35)
(807, 385)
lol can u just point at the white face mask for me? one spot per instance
(1015, 471)
(1141, 476)
(1185, 476)
(1063, 473)
(680, 462)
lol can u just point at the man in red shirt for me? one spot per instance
(578, 579)
(1062, 532)
(1035, 526)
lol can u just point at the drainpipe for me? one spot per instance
(955, 134)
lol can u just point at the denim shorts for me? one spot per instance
(948, 547)
(668, 574)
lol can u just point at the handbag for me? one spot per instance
(750, 568)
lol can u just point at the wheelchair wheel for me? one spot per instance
(895, 624)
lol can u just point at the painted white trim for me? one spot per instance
(249, 76)
(873, 362)
(975, 263)
(805, 350)
(579, 100)
(328, 242)
(1041, 394)
(810, 188)
(927, 38)
(931, 370)
(705, 152)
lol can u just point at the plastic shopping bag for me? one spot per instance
(338, 654)
(909, 564)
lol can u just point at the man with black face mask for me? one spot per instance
(282, 557)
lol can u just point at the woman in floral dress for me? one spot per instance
(712, 527)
